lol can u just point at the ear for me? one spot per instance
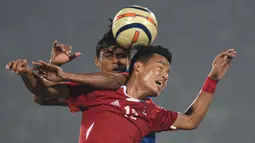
(138, 67)
(97, 62)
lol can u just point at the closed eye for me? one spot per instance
(160, 67)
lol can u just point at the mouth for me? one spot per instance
(159, 83)
(119, 69)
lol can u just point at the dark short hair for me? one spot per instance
(144, 53)
(107, 40)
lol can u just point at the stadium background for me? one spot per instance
(195, 31)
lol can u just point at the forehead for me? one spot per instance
(156, 58)
(116, 49)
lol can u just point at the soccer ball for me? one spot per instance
(134, 25)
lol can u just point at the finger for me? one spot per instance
(67, 49)
(224, 64)
(232, 54)
(37, 64)
(19, 67)
(61, 46)
(44, 63)
(226, 52)
(55, 43)
(230, 50)
(220, 60)
(14, 66)
(38, 76)
(42, 73)
(48, 65)
(37, 68)
(58, 47)
(35, 73)
(75, 55)
(9, 65)
(67, 53)
(229, 54)
(230, 57)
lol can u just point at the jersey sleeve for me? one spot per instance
(76, 99)
(164, 119)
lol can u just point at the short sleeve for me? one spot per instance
(164, 119)
(76, 100)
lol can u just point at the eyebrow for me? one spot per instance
(163, 63)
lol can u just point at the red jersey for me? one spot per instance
(112, 116)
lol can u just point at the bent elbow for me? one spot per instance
(38, 100)
(192, 125)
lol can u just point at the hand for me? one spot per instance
(19, 66)
(221, 64)
(49, 71)
(61, 54)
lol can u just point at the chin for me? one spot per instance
(155, 93)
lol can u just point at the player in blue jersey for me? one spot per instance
(110, 59)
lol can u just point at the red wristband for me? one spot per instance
(209, 85)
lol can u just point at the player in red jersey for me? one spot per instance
(126, 115)
(109, 58)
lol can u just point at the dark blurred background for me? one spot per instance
(195, 31)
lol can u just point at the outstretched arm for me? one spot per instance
(35, 84)
(199, 107)
(96, 80)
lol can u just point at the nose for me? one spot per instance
(165, 76)
(115, 59)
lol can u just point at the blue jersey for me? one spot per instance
(151, 138)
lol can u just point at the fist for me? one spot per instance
(221, 64)
(18, 66)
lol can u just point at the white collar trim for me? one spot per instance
(130, 98)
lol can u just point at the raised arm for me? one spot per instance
(60, 54)
(195, 113)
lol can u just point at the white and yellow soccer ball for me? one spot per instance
(134, 25)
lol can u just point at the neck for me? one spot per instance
(134, 89)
